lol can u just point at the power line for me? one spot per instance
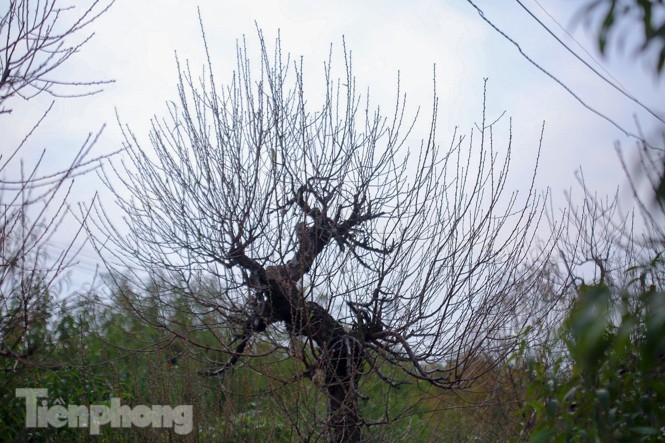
(563, 29)
(621, 90)
(481, 13)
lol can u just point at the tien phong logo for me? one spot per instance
(39, 414)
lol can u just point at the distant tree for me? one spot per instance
(326, 229)
(35, 39)
(604, 378)
(598, 377)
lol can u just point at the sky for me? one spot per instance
(135, 44)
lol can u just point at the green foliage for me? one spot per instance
(101, 349)
(612, 386)
(647, 15)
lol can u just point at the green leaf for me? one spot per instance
(645, 430)
(543, 436)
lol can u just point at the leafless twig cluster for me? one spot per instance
(35, 39)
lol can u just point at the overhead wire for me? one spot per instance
(579, 45)
(626, 132)
(621, 89)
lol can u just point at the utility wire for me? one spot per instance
(579, 45)
(481, 13)
(613, 85)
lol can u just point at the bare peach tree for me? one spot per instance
(36, 38)
(328, 226)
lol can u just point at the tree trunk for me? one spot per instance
(341, 352)
(344, 423)
(342, 365)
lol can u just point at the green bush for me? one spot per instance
(610, 385)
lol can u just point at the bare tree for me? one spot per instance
(328, 224)
(607, 240)
(35, 39)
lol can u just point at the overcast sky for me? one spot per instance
(136, 42)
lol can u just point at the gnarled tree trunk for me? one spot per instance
(281, 300)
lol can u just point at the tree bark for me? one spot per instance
(281, 299)
(341, 351)
(342, 374)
